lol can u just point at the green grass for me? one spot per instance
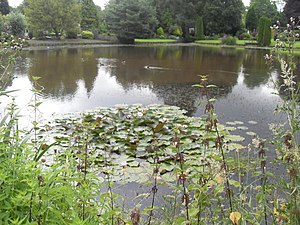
(218, 42)
(154, 40)
(214, 42)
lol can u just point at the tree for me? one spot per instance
(17, 24)
(199, 28)
(264, 32)
(251, 19)
(258, 9)
(55, 16)
(223, 16)
(89, 15)
(4, 7)
(292, 8)
(130, 19)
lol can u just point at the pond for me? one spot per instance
(78, 79)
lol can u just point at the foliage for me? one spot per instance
(160, 32)
(4, 7)
(85, 34)
(287, 137)
(9, 49)
(89, 15)
(251, 19)
(199, 28)
(229, 40)
(223, 16)
(55, 16)
(130, 19)
(1, 24)
(264, 32)
(292, 9)
(243, 35)
(176, 30)
(258, 9)
(72, 34)
(17, 24)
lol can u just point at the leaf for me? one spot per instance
(234, 138)
(252, 122)
(34, 78)
(235, 183)
(239, 122)
(159, 127)
(251, 133)
(242, 128)
(235, 217)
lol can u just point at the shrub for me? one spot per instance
(176, 30)
(71, 34)
(264, 32)
(229, 40)
(16, 22)
(160, 32)
(87, 34)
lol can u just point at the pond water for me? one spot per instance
(78, 79)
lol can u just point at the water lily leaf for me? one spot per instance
(231, 123)
(230, 128)
(239, 122)
(252, 122)
(251, 133)
(242, 128)
(234, 138)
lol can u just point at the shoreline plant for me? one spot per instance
(67, 171)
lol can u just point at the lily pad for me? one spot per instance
(252, 122)
(251, 133)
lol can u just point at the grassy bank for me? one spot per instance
(155, 40)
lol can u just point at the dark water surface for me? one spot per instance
(78, 79)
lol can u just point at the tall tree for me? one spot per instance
(89, 15)
(292, 8)
(55, 16)
(223, 16)
(261, 8)
(199, 28)
(4, 7)
(130, 19)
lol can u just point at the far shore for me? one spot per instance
(75, 43)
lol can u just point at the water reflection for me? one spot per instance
(77, 79)
(61, 70)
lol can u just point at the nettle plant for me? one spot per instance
(287, 137)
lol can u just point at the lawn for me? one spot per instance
(154, 40)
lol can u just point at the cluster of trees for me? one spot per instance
(130, 19)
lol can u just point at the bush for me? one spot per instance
(87, 34)
(160, 32)
(175, 30)
(71, 34)
(16, 22)
(229, 40)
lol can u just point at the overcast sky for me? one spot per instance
(101, 3)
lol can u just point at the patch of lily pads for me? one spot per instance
(128, 140)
